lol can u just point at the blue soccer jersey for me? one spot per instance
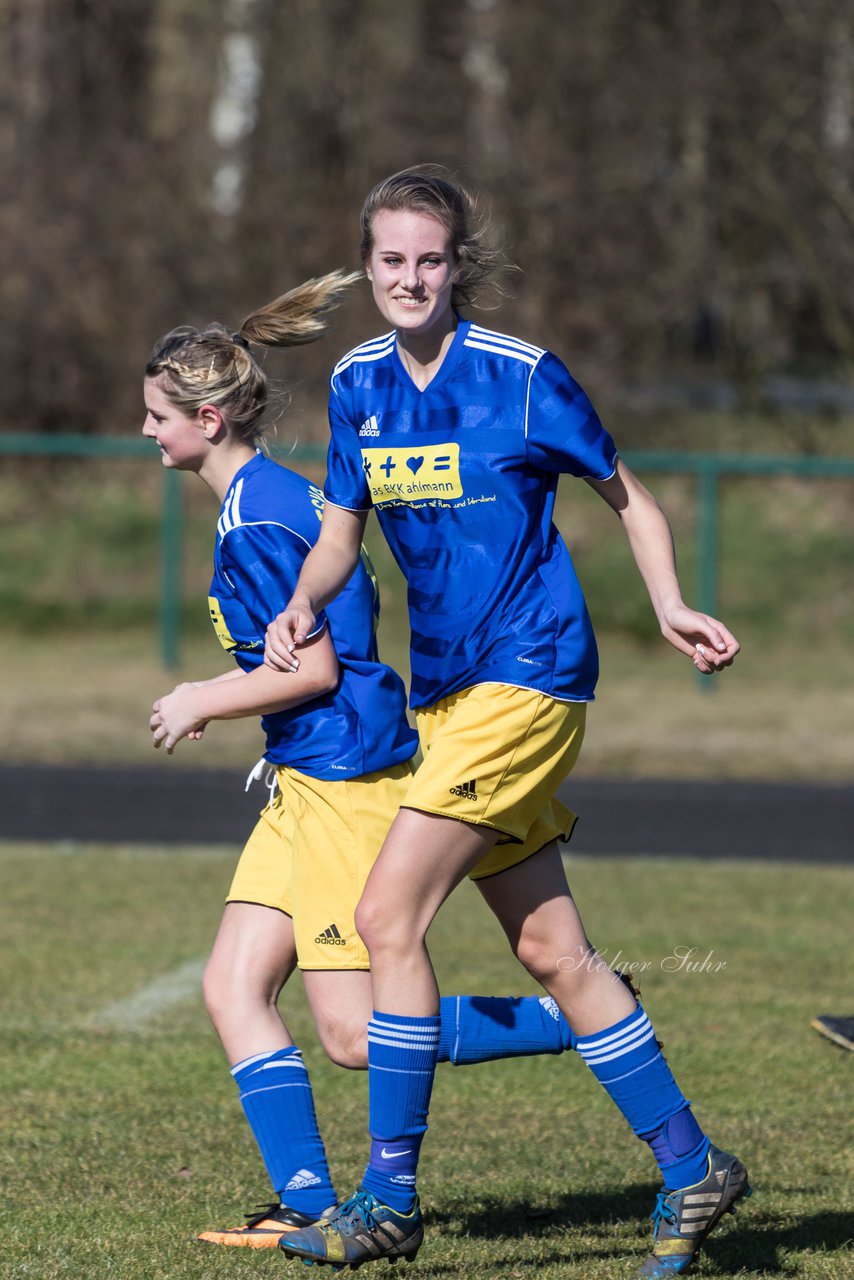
(463, 477)
(268, 523)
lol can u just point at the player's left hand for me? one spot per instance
(176, 716)
(708, 643)
(195, 735)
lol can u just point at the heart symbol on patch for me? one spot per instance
(415, 464)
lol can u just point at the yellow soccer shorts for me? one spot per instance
(494, 755)
(310, 854)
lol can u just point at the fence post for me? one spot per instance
(707, 547)
(170, 570)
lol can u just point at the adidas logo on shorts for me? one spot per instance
(331, 937)
(466, 790)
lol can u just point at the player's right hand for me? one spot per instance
(291, 628)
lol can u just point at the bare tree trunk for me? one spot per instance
(839, 88)
(234, 109)
(487, 120)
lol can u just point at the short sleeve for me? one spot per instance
(346, 485)
(563, 432)
(262, 562)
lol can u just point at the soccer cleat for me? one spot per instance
(360, 1230)
(839, 1030)
(262, 1230)
(682, 1219)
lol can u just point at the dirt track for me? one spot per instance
(177, 805)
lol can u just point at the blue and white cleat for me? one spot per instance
(360, 1230)
(682, 1219)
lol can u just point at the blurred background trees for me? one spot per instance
(674, 180)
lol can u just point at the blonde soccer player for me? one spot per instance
(339, 746)
(456, 435)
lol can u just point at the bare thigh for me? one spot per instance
(341, 1006)
(423, 858)
(253, 956)
(533, 903)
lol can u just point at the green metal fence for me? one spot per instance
(708, 468)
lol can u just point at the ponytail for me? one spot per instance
(299, 316)
(216, 366)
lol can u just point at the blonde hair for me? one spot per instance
(432, 190)
(215, 365)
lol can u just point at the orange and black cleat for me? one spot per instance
(261, 1230)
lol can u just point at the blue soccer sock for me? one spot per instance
(278, 1102)
(628, 1063)
(681, 1149)
(483, 1028)
(401, 1065)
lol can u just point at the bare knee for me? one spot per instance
(572, 964)
(229, 992)
(537, 953)
(345, 1044)
(369, 919)
(215, 988)
(381, 929)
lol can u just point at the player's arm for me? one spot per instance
(261, 691)
(708, 642)
(233, 673)
(327, 569)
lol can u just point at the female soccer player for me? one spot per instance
(340, 744)
(456, 435)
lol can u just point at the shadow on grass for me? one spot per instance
(499, 1219)
(755, 1243)
(763, 1243)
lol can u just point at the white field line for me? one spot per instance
(150, 1001)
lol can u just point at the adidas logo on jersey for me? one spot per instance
(370, 427)
(331, 937)
(466, 791)
(303, 1178)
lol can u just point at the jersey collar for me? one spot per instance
(452, 356)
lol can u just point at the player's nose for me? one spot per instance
(411, 279)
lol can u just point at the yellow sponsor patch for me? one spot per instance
(413, 475)
(223, 634)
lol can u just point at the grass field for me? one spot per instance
(122, 1135)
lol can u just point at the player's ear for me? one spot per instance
(210, 420)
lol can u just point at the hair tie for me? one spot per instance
(239, 340)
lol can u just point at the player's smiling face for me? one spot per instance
(181, 439)
(411, 270)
